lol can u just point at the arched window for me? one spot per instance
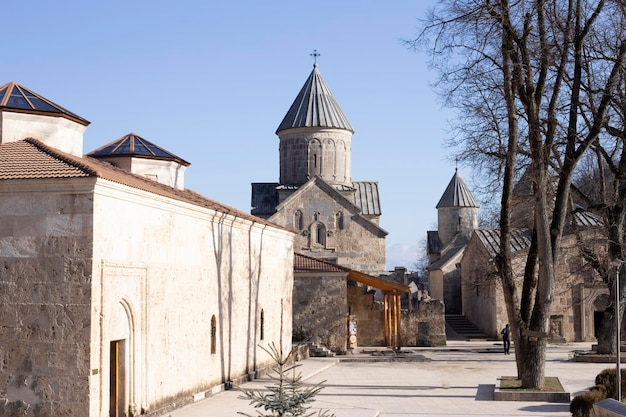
(297, 220)
(213, 335)
(262, 329)
(319, 234)
(339, 220)
(315, 163)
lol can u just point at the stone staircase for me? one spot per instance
(460, 328)
(319, 351)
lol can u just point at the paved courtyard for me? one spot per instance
(456, 380)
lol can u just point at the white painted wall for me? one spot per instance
(58, 132)
(85, 261)
(173, 266)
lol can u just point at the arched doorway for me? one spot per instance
(119, 360)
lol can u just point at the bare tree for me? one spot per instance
(522, 73)
(601, 186)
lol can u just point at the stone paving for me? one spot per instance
(455, 380)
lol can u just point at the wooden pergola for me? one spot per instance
(392, 291)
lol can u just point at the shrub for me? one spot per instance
(607, 378)
(582, 405)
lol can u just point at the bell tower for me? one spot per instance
(457, 211)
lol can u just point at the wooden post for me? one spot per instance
(398, 320)
(385, 319)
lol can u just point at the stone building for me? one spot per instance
(123, 293)
(463, 274)
(457, 219)
(335, 218)
(580, 295)
(336, 221)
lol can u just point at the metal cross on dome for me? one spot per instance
(315, 54)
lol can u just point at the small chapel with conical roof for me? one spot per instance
(457, 219)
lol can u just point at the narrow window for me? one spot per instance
(262, 330)
(297, 220)
(339, 220)
(213, 335)
(320, 234)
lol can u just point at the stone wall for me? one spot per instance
(184, 294)
(577, 290)
(349, 240)
(320, 311)
(325, 152)
(369, 315)
(45, 303)
(425, 326)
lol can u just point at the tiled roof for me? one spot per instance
(315, 106)
(134, 145)
(307, 264)
(31, 159)
(303, 263)
(18, 98)
(457, 194)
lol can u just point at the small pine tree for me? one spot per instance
(287, 397)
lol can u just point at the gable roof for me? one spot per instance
(17, 98)
(490, 239)
(134, 145)
(32, 159)
(335, 195)
(433, 243)
(307, 265)
(315, 106)
(265, 196)
(450, 253)
(457, 194)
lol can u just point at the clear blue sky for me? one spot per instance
(210, 82)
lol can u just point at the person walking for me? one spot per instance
(506, 338)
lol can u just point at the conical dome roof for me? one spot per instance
(457, 194)
(18, 98)
(315, 106)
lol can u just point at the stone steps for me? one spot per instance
(320, 351)
(464, 328)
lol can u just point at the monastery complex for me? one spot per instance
(126, 294)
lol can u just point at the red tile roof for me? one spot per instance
(32, 159)
(306, 264)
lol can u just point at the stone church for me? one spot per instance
(337, 223)
(457, 219)
(336, 219)
(122, 292)
(462, 270)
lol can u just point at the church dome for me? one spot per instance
(457, 194)
(315, 106)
